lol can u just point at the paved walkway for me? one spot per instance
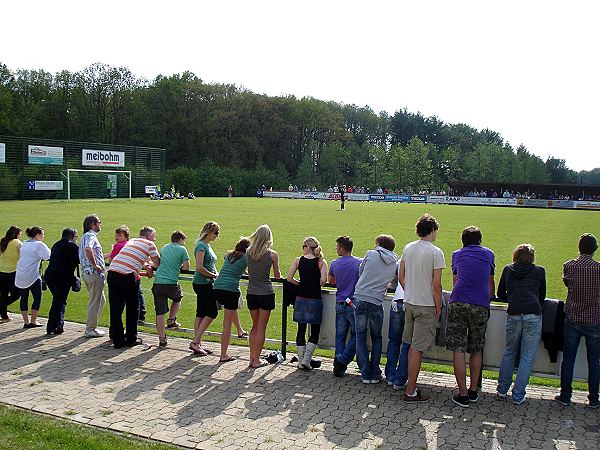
(171, 396)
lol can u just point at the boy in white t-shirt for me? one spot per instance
(420, 274)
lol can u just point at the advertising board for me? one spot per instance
(102, 158)
(40, 154)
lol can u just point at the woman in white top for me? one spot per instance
(28, 276)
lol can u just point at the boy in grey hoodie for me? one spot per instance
(378, 268)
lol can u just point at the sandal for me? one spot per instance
(262, 364)
(195, 347)
(172, 323)
(243, 335)
(231, 358)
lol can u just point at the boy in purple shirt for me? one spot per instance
(469, 310)
(344, 274)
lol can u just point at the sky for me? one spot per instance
(526, 69)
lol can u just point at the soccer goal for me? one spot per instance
(97, 184)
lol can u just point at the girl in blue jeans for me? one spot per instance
(523, 286)
(396, 368)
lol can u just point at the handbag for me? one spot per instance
(76, 284)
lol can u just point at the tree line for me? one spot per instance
(221, 134)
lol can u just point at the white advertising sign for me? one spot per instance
(106, 158)
(40, 154)
(280, 194)
(587, 205)
(358, 197)
(48, 185)
(150, 189)
(495, 201)
(2, 153)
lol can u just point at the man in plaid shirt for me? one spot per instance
(582, 310)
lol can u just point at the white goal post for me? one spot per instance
(125, 173)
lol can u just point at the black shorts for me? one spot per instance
(162, 293)
(206, 306)
(229, 299)
(266, 302)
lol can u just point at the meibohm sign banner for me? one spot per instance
(105, 158)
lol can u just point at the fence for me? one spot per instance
(494, 344)
(33, 168)
(439, 199)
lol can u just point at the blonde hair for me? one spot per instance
(209, 227)
(314, 245)
(261, 242)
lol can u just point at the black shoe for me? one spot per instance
(338, 368)
(460, 400)
(138, 341)
(419, 397)
(473, 396)
(315, 363)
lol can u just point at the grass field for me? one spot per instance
(554, 233)
(23, 429)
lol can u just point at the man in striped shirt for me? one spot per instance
(122, 289)
(582, 311)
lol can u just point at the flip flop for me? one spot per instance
(199, 351)
(262, 364)
(208, 352)
(243, 335)
(231, 358)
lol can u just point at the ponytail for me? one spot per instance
(34, 231)
(11, 233)
(315, 246)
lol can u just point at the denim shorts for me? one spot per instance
(308, 310)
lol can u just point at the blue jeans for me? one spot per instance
(344, 323)
(372, 314)
(522, 331)
(572, 335)
(396, 369)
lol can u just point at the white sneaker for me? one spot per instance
(94, 333)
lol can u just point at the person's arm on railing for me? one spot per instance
(323, 268)
(331, 278)
(292, 272)
(437, 291)
(502, 286)
(275, 259)
(200, 266)
(402, 274)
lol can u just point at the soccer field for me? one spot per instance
(554, 233)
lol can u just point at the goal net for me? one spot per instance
(97, 184)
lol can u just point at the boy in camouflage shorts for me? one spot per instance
(469, 310)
